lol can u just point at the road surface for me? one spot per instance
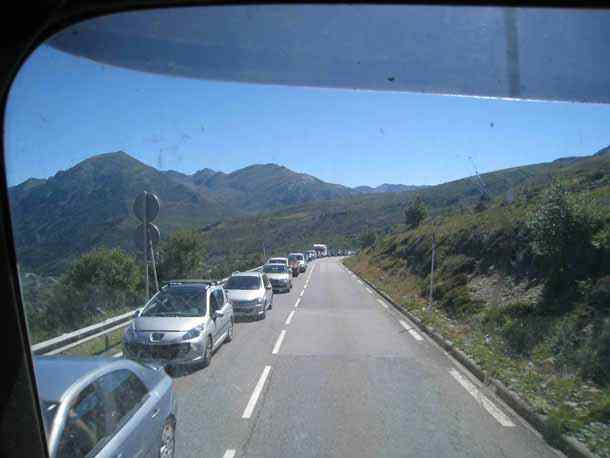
(334, 372)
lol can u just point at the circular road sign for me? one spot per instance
(146, 202)
(154, 235)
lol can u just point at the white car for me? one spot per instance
(279, 276)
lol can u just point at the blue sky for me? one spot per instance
(63, 109)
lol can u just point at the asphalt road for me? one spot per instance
(339, 375)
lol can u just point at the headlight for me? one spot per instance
(193, 333)
(260, 300)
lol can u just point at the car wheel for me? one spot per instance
(263, 316)
(271, 304)
(168, 440)
(230, 332)
(207, 355)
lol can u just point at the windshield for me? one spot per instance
(449, 167)
(243, 282)
(177, 302)
(275, 269)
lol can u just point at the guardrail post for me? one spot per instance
(106, 342)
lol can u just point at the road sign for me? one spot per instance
(153, 235)
(146, 206)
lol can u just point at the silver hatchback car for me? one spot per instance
(250, 293)
(182, 324)
(105, 407)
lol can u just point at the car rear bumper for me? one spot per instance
(248, 312)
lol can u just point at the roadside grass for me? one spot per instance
(573, 405)
(98, 346)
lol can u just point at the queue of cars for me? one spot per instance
(127, 407)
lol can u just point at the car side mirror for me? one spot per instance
(218, 314)
(138, 312)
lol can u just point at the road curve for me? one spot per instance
(334, 372)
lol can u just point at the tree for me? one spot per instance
(182, 255)
(367, 239)
(561, 228)
(97, 282)
(415, 213)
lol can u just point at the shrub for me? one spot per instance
(458, 264)
(561, 229)
(182, 255)
(598, 367)
(367, 239)
(415, 213)
(600, 294)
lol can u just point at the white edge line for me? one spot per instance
(415, 335)
(278, 343)
(290, 315)
(118, 355)
(369, 290)
(256, 393)
(230, 453)
(481, 399)
(382, 303)
(404, 324)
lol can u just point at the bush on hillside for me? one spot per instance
(600, 294)
(367, 239)
(561, 229)
(182, 255)
(415, 213)
(95, 286)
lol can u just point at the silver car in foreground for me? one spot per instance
(105, 407)
(182, 324)
(250, 293)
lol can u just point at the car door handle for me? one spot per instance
(156, 413)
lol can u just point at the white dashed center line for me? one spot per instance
(301, 295)
(290, 315)
(297, 303)
(230, 453)
(482, 400)
(256, 393)
(278, 343)
(383, 304)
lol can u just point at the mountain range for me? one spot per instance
(89, 204)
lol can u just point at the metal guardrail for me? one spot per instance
(79, 336)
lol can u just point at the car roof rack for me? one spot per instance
(192, 281)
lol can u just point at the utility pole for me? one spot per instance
(431, 292)
(146, 245)
(154, 265)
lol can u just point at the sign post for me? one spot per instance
(146, 208)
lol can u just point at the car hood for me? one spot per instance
(244, 294)
(167, 323)
(278, 276)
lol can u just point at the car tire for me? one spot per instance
(207, 353)
(263, 315)
(168, 439)
(230, 332)
(271, 304)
